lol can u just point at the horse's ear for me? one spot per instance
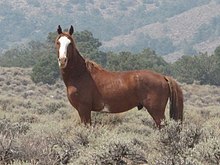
(59, 30)
(71, 30)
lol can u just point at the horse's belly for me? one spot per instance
(119, 96)
(118, 106)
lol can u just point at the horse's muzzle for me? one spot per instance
(62, 62)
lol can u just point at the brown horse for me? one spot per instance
(92, 88)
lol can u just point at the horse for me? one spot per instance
(93, 88)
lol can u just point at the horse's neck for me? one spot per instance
(75, 68)
(78, 62)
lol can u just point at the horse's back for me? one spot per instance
(146, 79)
(119, 84)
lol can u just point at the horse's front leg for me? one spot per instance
(85, 114)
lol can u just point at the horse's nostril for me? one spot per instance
(62, 61)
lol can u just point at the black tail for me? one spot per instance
(176, 100)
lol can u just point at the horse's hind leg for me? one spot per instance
(156, 110)
(157, 116)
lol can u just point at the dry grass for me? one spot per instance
(38, 126)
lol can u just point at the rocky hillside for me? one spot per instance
(181, 29)
(169, 27)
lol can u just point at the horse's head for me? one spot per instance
(64, 44)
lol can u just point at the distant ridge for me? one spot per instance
(171, 28)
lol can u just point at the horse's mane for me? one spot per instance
(93, 66)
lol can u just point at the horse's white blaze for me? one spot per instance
(64, 42)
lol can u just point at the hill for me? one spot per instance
(169, 27)
(38, 126)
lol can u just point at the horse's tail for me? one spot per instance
(176, 100)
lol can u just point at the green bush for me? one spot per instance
(23, 56)
(46, 70)
(202, 68)
(147, 59)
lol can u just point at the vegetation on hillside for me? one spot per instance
(202, 68)
(211, 29)
(24, 55)
(24, 21)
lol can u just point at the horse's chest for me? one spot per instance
(79, 96)
(73, 95)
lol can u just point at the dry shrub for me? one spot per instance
(41, 149)
(116, 152)
(43, 129)
(48, 107)
(9, 133)
(2, 79)
(194, 115)
(47, 149)
(132, 128)
(211, 128)
(108, 144)
(29, 119)
(120, 153)
(5, 104)
(208, 152)
(201, 95)
(106, 119)
(63, 114)
(52, 107)
(187, 144)
(81, 137)
(12, 129)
